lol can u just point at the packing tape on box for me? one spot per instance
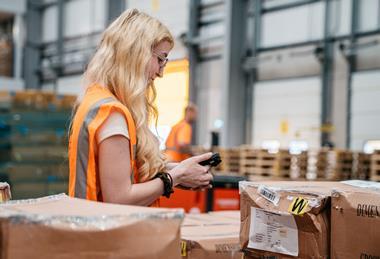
(101, 222)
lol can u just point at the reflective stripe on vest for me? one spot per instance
(83, 150)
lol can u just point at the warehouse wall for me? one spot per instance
(305, 24)
(81, 17)
(209, 99)
(293, 25)
(287, 110)
(287, 99)
(365, 121)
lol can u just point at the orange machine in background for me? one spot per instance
(190, 201)
(226, 199)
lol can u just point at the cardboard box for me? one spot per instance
(63, 227)
(5, 192)
(211, 236)
(285, 219)
(355, 219)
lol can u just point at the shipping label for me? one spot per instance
(268, 194)
(273, 232)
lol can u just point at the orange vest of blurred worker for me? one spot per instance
(94, 109)
(179, 135)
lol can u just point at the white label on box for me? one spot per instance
(363, 184)
(273, 232)
(268, 194)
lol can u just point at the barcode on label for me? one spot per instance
(268, 194)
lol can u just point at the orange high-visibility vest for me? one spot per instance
(180, 133)
(96, 106)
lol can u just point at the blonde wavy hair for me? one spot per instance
(120, 64)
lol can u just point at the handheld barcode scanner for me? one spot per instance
(213, 161)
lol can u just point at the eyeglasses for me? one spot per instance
(162, 60)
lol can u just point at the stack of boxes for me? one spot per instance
(310, 219)
(277, 220)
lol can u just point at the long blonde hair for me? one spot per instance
(120, 64)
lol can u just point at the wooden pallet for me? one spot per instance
(261, 162)
(230, 159)
(375, 166)
(362, 166)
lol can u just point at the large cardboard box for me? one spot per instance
(285, 219)
(63, 227)
(211, 236)
(355, 220)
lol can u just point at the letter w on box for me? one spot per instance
(298, 206)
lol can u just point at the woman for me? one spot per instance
(113, 155)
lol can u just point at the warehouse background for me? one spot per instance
(296, 74)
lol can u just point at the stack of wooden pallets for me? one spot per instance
(298, 167)
(259, 162)
(317, 164)
(340, 165)
(230, 160)
(362, 166)
(375, 166)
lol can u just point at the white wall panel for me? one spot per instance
(11, 84)
(365, 120)
(368, 15)
(293, 25)
(174, 14)
(84, 17)
(341, 17)
(66, 85)
(70, 85)
(50, 24)
(13, 6)
(209, 98)
(289, 63)
(296, 101)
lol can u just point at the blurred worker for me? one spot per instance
(178, 143)
(113, 155)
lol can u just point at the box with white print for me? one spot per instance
(285, 219)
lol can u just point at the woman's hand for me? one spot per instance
(189, 173)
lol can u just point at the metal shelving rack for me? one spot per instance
(33, 150)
